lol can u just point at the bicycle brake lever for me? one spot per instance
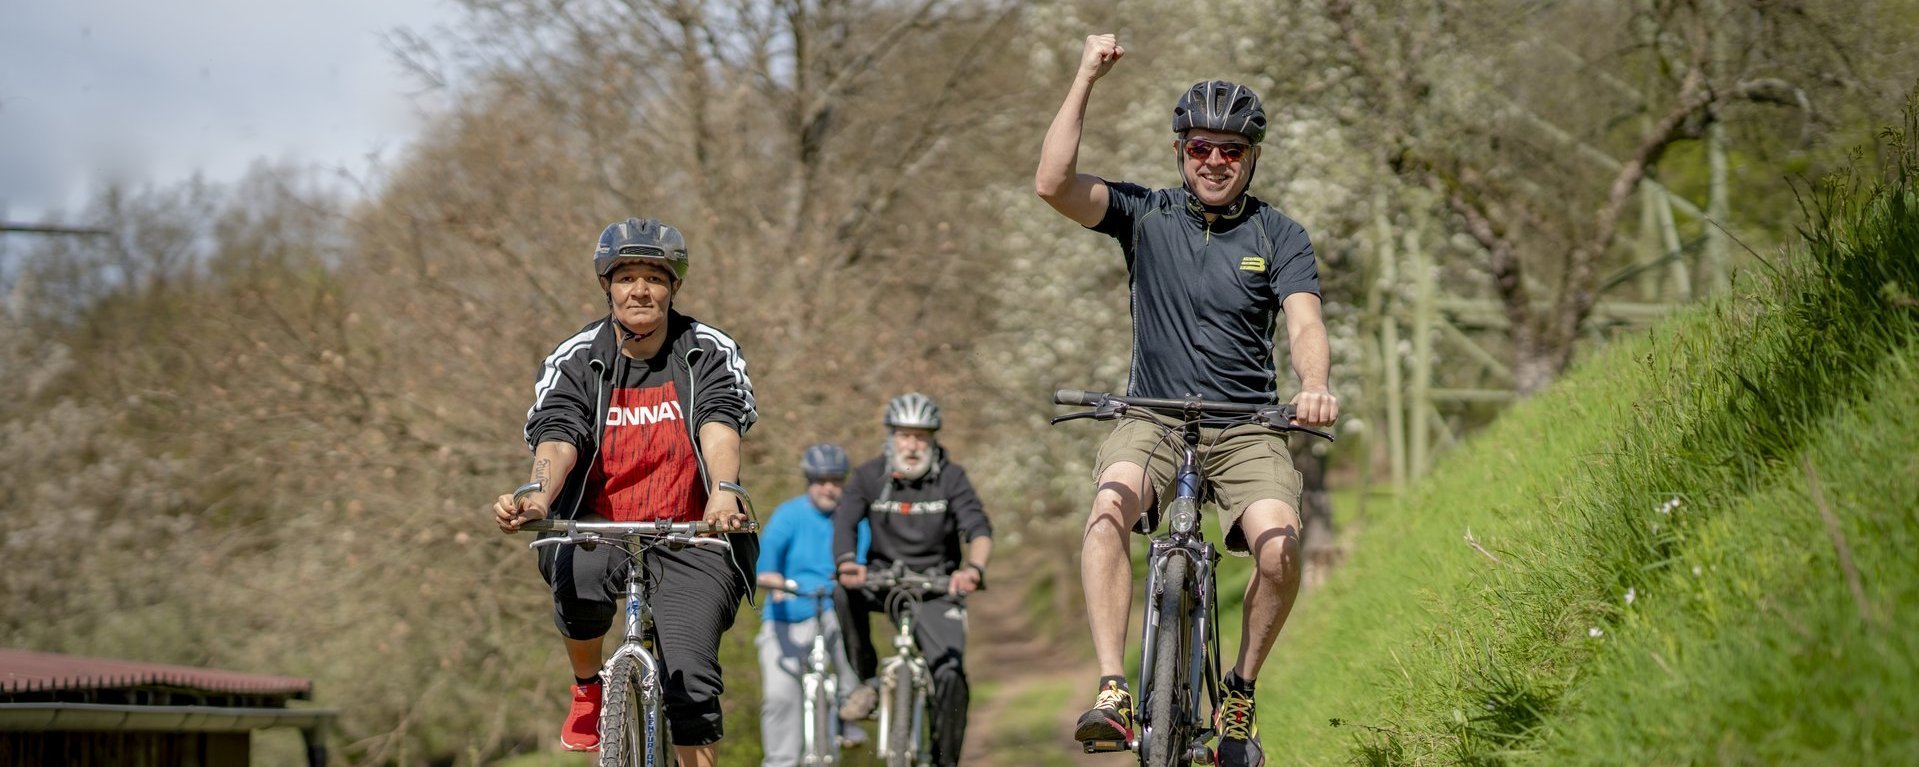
(1060, 419)
(1325, 435)
(1281, 419)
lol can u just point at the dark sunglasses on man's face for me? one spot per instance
(1200, 149)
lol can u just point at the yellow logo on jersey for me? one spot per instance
(1252, 264)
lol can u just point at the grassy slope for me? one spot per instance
(1430, 652)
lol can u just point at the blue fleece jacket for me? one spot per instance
(798, 543)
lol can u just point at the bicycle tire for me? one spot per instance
(902, 736)
(623, 715)
(1167, 737)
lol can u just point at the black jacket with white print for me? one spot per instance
(918, 522)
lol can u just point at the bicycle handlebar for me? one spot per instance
(677, 532)
(790, 587)
(1194, 405)
(1107, 407)
(886, 580)
(578, 532)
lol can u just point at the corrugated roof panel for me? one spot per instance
(29, 671)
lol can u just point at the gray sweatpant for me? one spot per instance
(783, 648)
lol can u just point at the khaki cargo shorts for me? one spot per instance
(1242, 464)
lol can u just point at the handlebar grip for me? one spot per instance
(1076, 397)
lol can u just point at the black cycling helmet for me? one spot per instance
(823, 461)
(646, 239)
(1221, 106)
(914, 411)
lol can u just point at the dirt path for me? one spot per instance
(1023, 671)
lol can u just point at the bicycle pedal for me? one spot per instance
(1104, 746)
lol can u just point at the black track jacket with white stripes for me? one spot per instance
(575, 383)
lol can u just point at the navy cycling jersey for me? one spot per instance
(1205, 295)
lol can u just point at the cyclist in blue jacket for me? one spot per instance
(797, 545)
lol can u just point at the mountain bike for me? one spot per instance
(819, 686)
(1179, 663)
(906, 683)
(633, 726)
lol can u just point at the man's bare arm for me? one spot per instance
(1078, 196)
(1312, 360)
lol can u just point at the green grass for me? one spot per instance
(1426, 650)
(1030, 730)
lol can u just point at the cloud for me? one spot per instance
(101, 91)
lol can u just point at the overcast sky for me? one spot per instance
(149, 91)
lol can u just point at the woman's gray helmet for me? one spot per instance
(646, 239)
(1222, 106)
(823, 461)
(913, 411)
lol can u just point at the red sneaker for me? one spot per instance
(582, 729)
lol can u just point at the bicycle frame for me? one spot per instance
(638, 645)
(905, 653)
(1188, 726)
(819, 695)
(1183, 539)
(819, 688)
(640, 640)
(902, 604)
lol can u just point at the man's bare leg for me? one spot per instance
(1106, 566)
(1106, 573)
(1272, 533)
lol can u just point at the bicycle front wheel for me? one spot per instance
(626, 739)
(902, 732)
(1167, 734)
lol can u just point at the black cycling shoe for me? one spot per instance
(1108, 725)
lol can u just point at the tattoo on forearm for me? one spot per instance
(540, 470)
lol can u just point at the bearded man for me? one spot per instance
(921, 509)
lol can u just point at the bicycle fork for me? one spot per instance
(919, 683)
(819, 696)
(1201, 622)
(638, 644)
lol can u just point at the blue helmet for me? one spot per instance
(645, 239)
(824, 461)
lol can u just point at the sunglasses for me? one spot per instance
(1200, 149)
